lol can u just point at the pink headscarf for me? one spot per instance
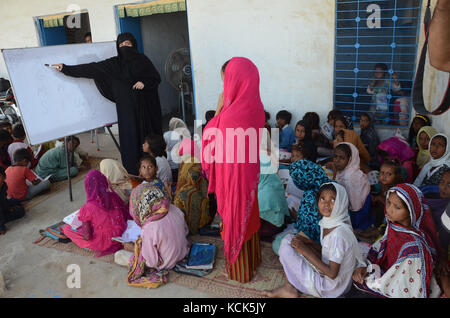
(354, 180)
(100, 193)
(235, 184)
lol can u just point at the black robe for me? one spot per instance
(138, 111)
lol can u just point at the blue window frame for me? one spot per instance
(51, 36)
(382, 34)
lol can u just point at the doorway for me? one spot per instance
(163, 37)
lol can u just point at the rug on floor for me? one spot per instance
(269, 273)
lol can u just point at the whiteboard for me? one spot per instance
(53, 105)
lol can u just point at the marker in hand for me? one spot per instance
(55, 66)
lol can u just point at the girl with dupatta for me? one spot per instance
(191, 195)
(103, 217)
(401, 263)
(163, 241)
(235, 182)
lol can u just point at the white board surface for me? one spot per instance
(53, 105)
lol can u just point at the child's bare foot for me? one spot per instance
(285, 291)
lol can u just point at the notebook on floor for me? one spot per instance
(201, 256)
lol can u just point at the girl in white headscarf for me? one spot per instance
(432, 172)
(323, 270)
(346, 163)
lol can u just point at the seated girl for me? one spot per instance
(325, 269)
(154, 145)
(370, 139)
(341, 124)
(314, 121)
(191, 195)
(308, 177)
(418, 122)
(118, 177)
(397, 148)
(390, 175)
(401, 263)
(423, 141)
(303, 133)
(273, 207)
(163, 241)
(103, 217)
(431, 173)
(348, 174)
(147, 174)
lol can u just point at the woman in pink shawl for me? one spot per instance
(103, 217)
(232, 166)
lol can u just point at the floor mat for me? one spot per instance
(269, 273)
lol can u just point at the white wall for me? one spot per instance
(290, 41)
(18, 29)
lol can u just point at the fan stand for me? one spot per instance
(183, 87)
(180, 86)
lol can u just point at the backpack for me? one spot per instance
(56, 232)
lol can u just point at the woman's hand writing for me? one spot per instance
(58, 67)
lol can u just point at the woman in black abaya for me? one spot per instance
(131, 82)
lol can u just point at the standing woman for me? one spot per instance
(235, 184)
(131, 81)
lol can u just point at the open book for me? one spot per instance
(72, 220)
(131, 234)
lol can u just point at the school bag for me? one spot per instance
(56, 232)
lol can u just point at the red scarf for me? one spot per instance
(235, 184)
(397, 236)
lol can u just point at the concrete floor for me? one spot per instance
(33, 271)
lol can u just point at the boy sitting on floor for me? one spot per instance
(286, 134)
(9, 209)
(16, 176)
(18, 134)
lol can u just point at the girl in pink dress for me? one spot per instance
(163, 241)
(103, 217)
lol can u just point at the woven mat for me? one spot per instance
(61, 185)
(269, 273)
